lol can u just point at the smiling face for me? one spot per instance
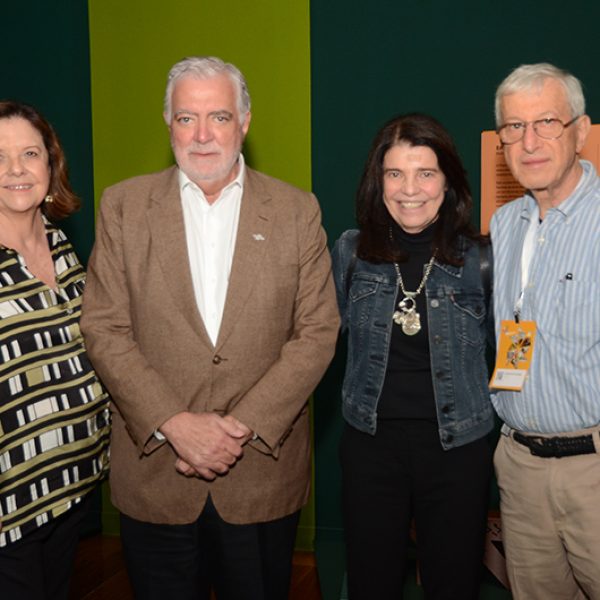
(207, 132)
(24, 169)
(549, 168)
(413, 186)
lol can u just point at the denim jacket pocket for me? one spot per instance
(469, 312)
(362, 297)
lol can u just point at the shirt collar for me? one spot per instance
(185, 181)
(569, 205)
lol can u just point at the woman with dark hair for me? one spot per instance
(411, 286)
(54, 416)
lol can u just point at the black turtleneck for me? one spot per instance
(407, 389)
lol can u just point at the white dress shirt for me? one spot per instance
(211, 231)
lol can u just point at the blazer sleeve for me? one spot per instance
(141, 394)
(272, 405)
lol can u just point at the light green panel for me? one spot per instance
(134, 43)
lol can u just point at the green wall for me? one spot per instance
(133, 45)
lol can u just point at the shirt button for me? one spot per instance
(435, 303)
(217, 359)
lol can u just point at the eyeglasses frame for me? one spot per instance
(533, 123)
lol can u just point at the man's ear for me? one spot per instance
(583, 126)
(246, 124)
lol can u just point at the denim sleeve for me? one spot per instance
(489, 302)
(343, 256)
(339, 277)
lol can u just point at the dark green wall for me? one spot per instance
(373, 60)
(45, 62)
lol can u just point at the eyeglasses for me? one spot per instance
(548, 129)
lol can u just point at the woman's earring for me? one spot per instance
(49, 198)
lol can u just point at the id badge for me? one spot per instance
(515, 352)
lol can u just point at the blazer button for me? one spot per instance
(446, 409)
(217, 359)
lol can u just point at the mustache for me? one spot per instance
(195, 147)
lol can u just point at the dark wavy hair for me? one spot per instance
(65, 201)
(372, 215)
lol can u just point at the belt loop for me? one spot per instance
(505, 429)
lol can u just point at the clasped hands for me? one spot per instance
(206, 444)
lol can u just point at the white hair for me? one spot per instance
(205, 67)
(526, 77)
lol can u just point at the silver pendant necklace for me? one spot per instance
(407, 316)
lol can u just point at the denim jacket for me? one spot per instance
(457, 319)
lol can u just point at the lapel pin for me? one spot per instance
(258, 237)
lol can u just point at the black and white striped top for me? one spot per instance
(54, 415)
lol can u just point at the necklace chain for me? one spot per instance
(407, 316)
(400, 281)
(423, 281)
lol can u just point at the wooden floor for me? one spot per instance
(100, 573)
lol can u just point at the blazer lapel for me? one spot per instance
(254, 229)
(167, 228)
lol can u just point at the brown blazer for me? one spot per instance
(147, 341)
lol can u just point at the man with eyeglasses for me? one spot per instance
(546, 387)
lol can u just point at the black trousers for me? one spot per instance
(39, 566)
(402, 473)
(182, 562)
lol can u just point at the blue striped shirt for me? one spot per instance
(562, 296)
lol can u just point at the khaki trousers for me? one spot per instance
(550, 511)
